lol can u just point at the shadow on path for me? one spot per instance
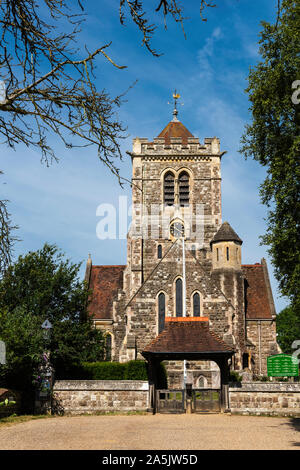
(295, 424)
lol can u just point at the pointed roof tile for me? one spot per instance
(104, 283)
(226, 233)
(187, 336)
(258, 305)
(175, 129)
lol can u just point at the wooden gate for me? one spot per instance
(170, 401)
(202, 400)
(206, 401)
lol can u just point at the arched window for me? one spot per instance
(161, 311)
(201, 382)
(196, 305)
(245, 361)
(159, 251)
(108, 347)
(227, 253)
(184, 189)
(178, 289)
(169, 189)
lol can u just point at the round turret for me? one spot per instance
(226, 248)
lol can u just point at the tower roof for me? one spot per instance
(226, 233)
(175, 128)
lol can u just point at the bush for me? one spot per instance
(9, 402)
(264, 378)
(132, 370)
(234, 376)
(103, 370)
(19, 378)
(68, 371)
(136, 370)
(3, 375)
(261, 378)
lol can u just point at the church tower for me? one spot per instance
(176, 189)
(176, 201)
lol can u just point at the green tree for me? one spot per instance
(24, 342)
(273, 139)
(288, 329)
(44, 285)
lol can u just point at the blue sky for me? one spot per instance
(209, 68)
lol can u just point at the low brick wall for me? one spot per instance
(277, 399)
(91, 396)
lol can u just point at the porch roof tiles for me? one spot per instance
(187, 335)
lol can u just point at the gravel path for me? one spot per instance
(148, 432)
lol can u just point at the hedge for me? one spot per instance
(132, 370)
(136, 370)
(234, 376)
(103, 370)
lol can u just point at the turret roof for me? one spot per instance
(226, 233)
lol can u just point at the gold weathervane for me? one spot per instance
(176, 97)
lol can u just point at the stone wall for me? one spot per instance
(92, 396)
(278, 399)
(201, 374)
(262, 335)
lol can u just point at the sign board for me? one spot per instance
(282, 365)
(2, 353)
(46, 325)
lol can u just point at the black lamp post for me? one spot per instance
(43, 399)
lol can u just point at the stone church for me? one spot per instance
(183, 263)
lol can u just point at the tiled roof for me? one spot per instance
(226, 233)
(258, 303)
(175, 129)
(184, 336)
(104, 283)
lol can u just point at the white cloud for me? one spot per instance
(204, 55)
